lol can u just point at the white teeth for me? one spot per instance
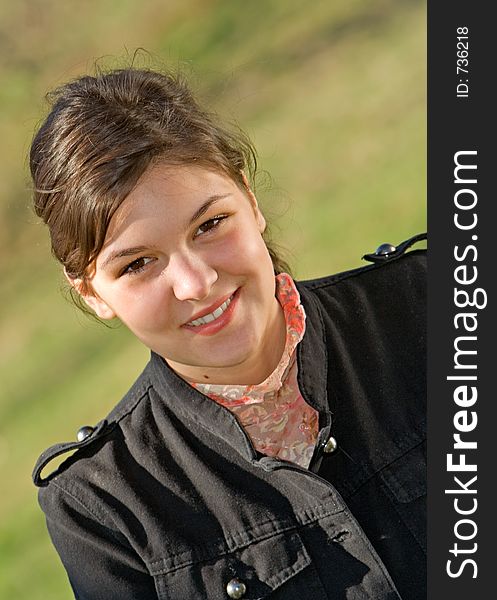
(213, 315)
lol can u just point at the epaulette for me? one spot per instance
(85, 436)
(386, 252)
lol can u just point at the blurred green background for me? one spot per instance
(332, 92)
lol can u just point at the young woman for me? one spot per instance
(273, 447)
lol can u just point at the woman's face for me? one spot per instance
(185, 267)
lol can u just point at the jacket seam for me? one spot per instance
(373, 474)
(127, 410)
(100, 518)
(205, 556)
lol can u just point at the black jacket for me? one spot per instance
(168, 499)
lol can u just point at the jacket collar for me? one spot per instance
(312, 355)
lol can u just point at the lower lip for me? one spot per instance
(219, 323)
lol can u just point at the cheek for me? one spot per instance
(244, 249)
(141, 306)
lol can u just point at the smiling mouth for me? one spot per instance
(211, 316)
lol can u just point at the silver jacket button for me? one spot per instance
(85, 433)
(236, 589)
(385, 250)
(330, 446)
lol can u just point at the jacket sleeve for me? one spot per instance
(100, 563)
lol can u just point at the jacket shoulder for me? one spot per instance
(90, 438)
(391, 264)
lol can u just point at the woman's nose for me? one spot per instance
(192, 278)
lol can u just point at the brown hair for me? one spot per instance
(102, 134)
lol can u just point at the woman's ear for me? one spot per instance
(98, 306)
(259, 217)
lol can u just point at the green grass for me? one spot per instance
(332, 93)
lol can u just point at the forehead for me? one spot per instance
(173, 186)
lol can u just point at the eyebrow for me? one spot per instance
(205, 206)
(137, 249)
(123, 253)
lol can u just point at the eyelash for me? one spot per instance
(216, 222)
(218, 218)
(128, 271)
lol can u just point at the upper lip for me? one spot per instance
(211, 308)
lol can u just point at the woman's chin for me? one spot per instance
(226, 365)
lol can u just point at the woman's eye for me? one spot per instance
(136, 266)
(210, 225)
